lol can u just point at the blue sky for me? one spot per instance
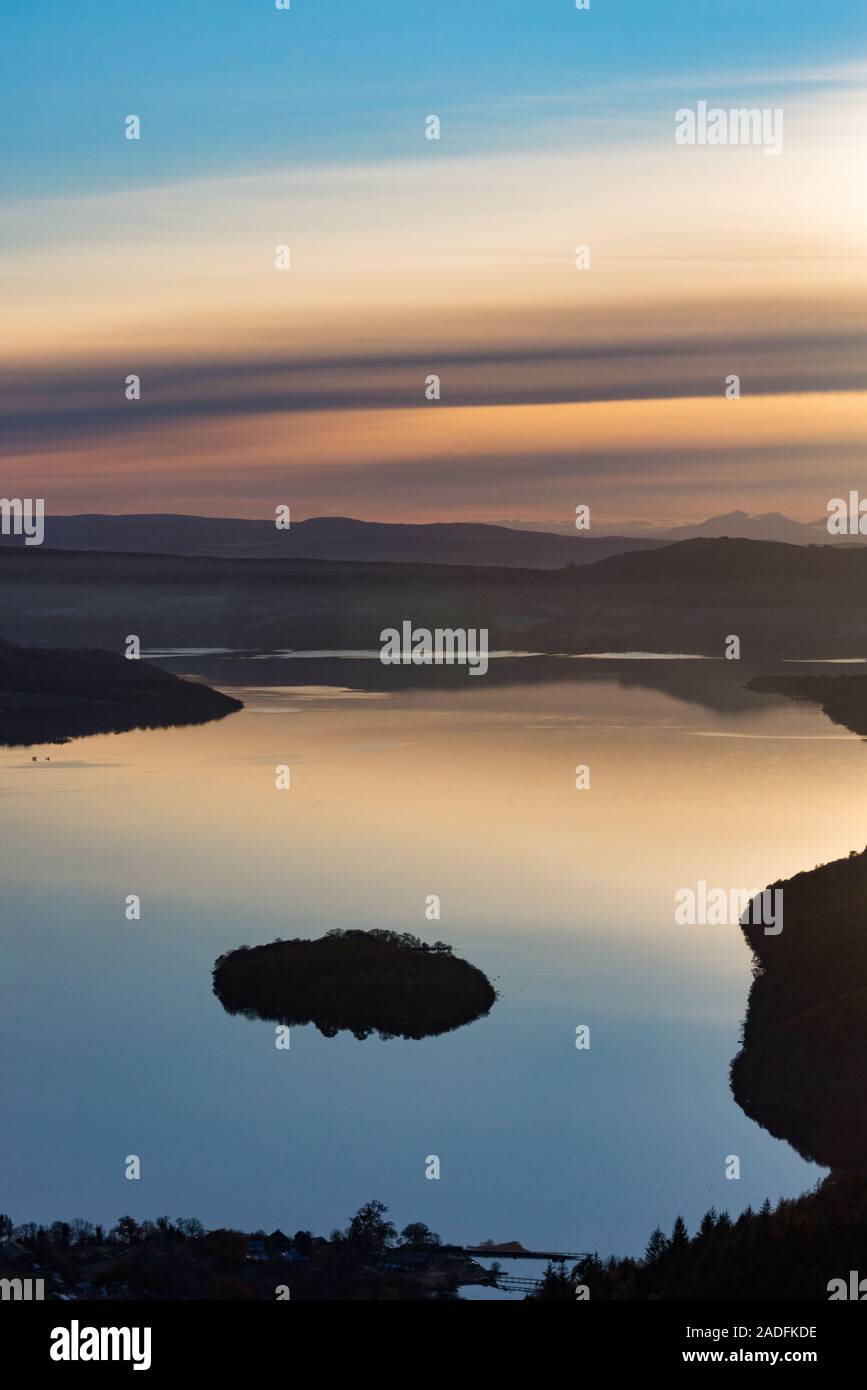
(458, 257)
(225, 85)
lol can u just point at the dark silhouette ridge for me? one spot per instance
(442, 542)
(331, 538)
(707, 560)
(51, 696)
(782, 600)
(179, 1260)
(802, 1068)
(803, 1249)
(364, 982)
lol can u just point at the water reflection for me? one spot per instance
(563, 898)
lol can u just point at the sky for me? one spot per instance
(411, 257)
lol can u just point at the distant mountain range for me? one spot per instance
(440, 543)
(764, 526)
(331, 538)
(768, 526)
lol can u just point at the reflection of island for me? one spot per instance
(843, 698)
(377, 981)
(802, 1069)
(50, 696)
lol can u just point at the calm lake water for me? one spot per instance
(113, 1044)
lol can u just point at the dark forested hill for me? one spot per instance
(781, 600)
(51, 696)
(802, 1071)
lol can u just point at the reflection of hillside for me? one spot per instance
(363, 982)
(52, 696)
(802, 1070)
(719, 686)
(842, 698)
